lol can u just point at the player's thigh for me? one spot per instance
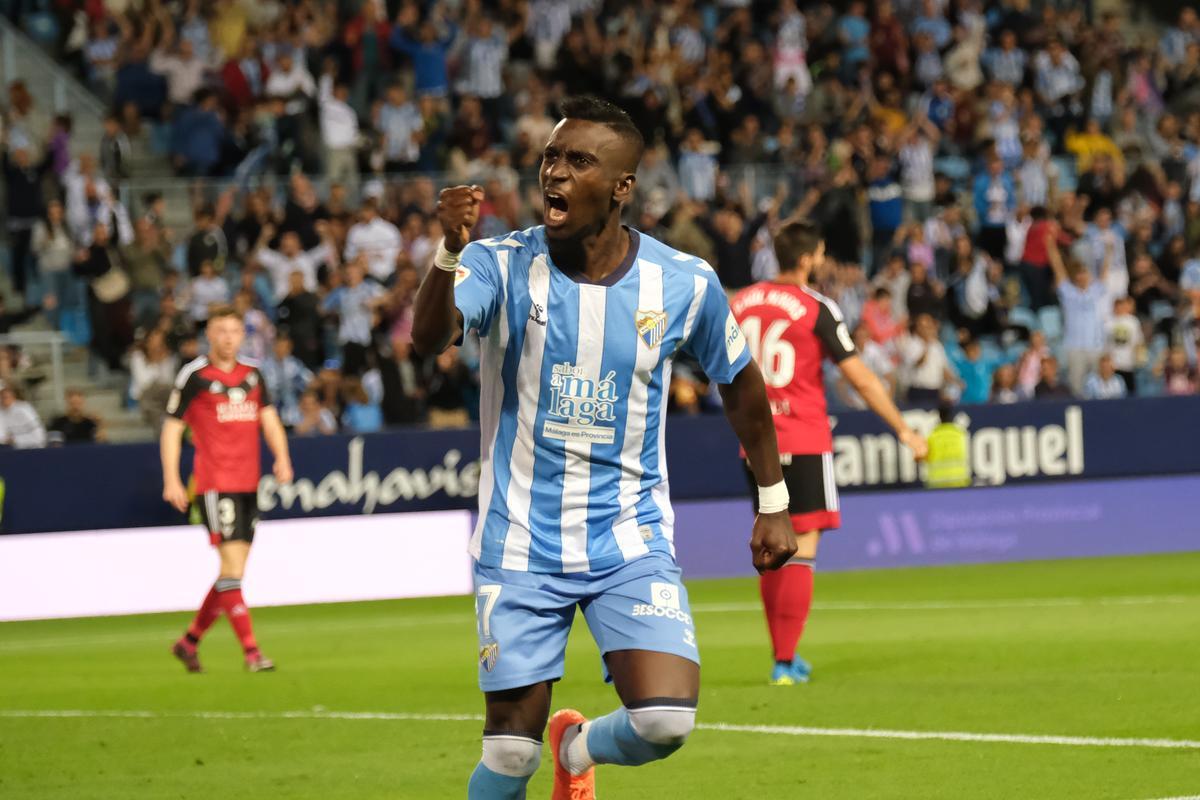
(522, 620)
(640, 675)
(523, 710)
(642, 622)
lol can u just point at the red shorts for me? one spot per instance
(812, 492)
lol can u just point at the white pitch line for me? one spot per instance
(412, 621)
(722, 727)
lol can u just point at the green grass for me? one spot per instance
(986, 665)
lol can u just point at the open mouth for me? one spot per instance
(555, 212)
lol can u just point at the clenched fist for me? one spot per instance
(458, 211)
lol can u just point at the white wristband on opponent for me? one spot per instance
(444, 259)
(772, 499)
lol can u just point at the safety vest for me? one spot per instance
(947, 465)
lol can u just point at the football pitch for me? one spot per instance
(1068, 679)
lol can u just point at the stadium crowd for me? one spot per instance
(1010, 193)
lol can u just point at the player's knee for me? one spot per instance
(515, 756)
(665, 728)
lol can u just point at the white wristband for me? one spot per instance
(772, 499)
(444, 259)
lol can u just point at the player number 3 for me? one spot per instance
(226, 515)
(775, 355)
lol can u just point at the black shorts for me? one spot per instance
(812, 491)
(229, 516)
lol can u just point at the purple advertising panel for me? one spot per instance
(964, 526)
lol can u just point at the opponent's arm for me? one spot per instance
(873, 393)
(773, 542)
(436, 321)
(170, 445)
(276, 436)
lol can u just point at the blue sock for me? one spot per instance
(488, 785)
(611, 739)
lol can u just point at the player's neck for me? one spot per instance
(223, 364)
(793, 277)
(595, 256)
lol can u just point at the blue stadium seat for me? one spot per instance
(1067, 179)
(1051, 322)
(1025, 318)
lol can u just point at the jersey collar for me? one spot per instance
(635, 240)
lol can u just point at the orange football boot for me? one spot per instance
(566, 785)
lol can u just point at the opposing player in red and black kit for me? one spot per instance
(791, 329)
(224, 401)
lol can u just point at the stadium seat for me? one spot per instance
(1025, 318)
(1051, 322)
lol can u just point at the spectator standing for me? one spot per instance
(1104, 383)
(925, 295)
(20, 425)
(366, 37)
(260, 333)
(698, 167)
(109, 309)
(115, 152)
(23, 182)
(54, 248)
(1125, 342)
(339, 131)
(400, 125)
(995, 200)
(148, 259)
(482, 60)
(291, 84)
(925, 362)
(204, 291)
(299, 317)
(287, 380)
(1086, 307)
(880, 319)
(919, 145)
(152, 371)
(427, 51)
(1059, 87)
(355, 305)
(1103, 240)
(376, 238)
(885, 200)
(76, 426)
(976, 372)
(290, 258)
(197, 137)
(184, 71)
(208, 242)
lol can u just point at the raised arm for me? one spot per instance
(1056, 260)
(436, 321)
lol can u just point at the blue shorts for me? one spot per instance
(523, 618)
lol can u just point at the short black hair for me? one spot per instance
(797, 238)
(946, 412)
(594, 109)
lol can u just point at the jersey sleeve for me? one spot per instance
(264, 396)
(187, 385)
(478, 288)
(831, 329)
(716, 340)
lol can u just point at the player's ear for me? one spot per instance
(624, 189)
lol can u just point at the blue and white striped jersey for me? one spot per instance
(574, 395)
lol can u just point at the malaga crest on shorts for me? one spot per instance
(574, 378)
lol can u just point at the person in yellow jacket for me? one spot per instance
(948, 465)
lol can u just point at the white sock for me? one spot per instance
(574, 755)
